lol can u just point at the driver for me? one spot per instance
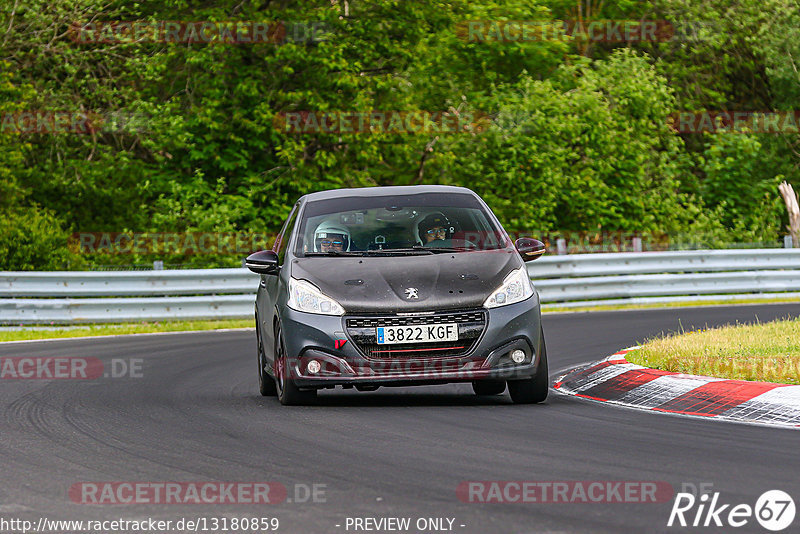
(434, 227)
(331, 237)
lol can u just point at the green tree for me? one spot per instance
(590, 149)
(738, 182)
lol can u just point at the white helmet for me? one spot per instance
(331, 230)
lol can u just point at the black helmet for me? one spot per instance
(432, 221)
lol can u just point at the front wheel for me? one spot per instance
(288, 393)
(266, 385)
(532, 390)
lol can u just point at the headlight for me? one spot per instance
(305, 297)
(515, 288)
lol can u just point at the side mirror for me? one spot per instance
(262, 262)
(529, 249)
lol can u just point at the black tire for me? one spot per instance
(288, 393)
(266, 384)
(488, 387)
(532, 390)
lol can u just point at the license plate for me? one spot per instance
(387, 335)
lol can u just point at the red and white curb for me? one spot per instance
(617, 381)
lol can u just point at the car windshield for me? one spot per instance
(424, 223)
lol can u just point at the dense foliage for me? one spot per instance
(569, 135)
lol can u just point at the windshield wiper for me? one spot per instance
(336, 253)
(404, 250)
(435, 250)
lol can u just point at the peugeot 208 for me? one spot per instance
(397, 286)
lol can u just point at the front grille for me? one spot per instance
(470, 327)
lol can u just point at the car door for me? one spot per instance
(271, 285)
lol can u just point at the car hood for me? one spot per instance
(384, 283)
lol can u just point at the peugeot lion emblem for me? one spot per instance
(411, 293)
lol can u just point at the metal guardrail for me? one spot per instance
(127, 283)
(661, 285)
(114, 310)
(562, 281)
(692, 261)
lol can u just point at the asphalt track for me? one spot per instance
(195, 415)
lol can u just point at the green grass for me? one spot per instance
(768, 352)
(119, 329)
(549, 308)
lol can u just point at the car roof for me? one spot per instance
(385, 191)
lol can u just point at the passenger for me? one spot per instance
(434, 227)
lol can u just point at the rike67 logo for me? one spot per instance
(774, 510)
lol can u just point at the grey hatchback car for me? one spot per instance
(397, 286)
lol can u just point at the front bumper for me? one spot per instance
(313, 337)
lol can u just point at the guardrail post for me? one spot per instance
(637, 244)
(561, 246)
(158, 265)
(787, 241)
